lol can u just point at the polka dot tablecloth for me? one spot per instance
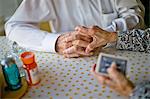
(63, 78)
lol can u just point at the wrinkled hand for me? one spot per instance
(73, 44)
(61, 45)
(116, 80)
(100, 37)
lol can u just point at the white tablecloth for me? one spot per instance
(63, 78)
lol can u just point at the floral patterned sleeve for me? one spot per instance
(141, 91)
(135, 40)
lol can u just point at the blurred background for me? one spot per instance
(8, 7)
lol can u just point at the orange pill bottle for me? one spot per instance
(31, 69)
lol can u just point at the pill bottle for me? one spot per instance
(31, 69)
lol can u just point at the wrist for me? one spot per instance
(129, 89)
(113, 37)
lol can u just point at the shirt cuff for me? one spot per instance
(110, 28)
(120, 24)
(49, 42)
(117, 25)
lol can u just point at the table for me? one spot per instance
(63, 78)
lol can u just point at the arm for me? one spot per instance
(23, 26)
(130, 15)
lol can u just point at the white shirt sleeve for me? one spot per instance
(131, 15)
(23, 26)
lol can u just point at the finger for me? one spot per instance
(95, 27)
(71, 55)
(91, 47)
(110, 83)
(68, 45)
(83, 30)
(70, 50)
(74, 55)
(78, 50)
(68, 34)
(83, 53)
(100, 78)
(78, 28)
(86, 31)
(85, 38)
(114, 74)
(65, 45)
(66, 37)
(93, 68)
(63, 36)
(70, 38)
(113, 65)
(80, 43)
(77, 36)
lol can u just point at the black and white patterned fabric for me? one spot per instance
(135, 40)
(141, 91)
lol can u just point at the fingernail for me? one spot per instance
(64, 52)
(91, 53)
(63, 40)
(87, 51)
(65, 55)
(94, 67)
(76, 28)
(113, 63)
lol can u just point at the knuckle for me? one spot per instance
(77, 36)
(95, 27)
(66, 55)
(70, 33)
(74, 36)
(82, 26)
(78, 42)
(77, 33)
(65, 45)
(91, 47)
(69, 44)
(92, 30)
(75, 48)
(77, 55)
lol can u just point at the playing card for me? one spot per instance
(105, 61)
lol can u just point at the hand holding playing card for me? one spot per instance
(105, 60)
(115, 80)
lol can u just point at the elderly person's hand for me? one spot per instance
(100, 37)
(115, 80)
(73, 44)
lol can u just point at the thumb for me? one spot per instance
(114, 74)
